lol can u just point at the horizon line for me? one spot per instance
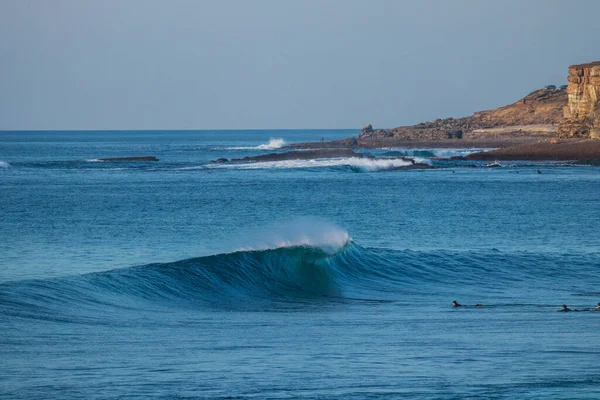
(176, 130)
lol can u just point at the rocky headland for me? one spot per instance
(534, 117)
(548, 124)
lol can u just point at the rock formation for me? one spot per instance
(582, 113)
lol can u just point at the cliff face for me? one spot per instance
(582, 113)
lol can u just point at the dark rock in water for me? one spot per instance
(119, 159)
(301, 155)
(219, 160)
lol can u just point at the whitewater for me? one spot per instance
(326, 278)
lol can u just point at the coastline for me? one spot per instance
(414, 144)
(529, 148)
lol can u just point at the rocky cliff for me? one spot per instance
(538, 113)
(582, 113)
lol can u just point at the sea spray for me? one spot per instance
(274, 143)
(307, 231)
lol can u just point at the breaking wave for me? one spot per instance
(273, 144)
(354, 163)
(305, 231)
(4, 164)
(296, 276)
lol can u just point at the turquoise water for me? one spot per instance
(305, 279)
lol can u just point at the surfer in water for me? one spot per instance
(563, 308)
(478, 305)
(455, 304)
(597, 308)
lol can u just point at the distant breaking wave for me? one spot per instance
(273, 144)
(4, 164)
(356, 164)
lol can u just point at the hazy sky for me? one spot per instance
(146, 64)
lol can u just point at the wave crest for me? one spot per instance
(307, 231)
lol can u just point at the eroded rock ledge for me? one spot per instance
(582, 151)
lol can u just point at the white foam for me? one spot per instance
(273, 144)
(363, 164)
(4, 164)
(307, 231)
(191, 168)
(447, 153)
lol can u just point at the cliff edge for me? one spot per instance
(582, 113)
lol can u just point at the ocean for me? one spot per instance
(308, 279)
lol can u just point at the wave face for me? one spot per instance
(351, 163)
(297, 276)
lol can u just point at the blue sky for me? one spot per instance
(274, 64)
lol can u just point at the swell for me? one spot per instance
(304, 275)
